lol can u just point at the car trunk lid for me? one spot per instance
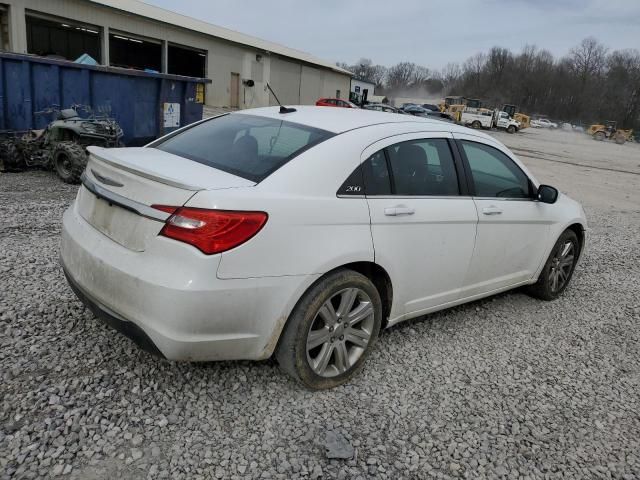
(121, 185)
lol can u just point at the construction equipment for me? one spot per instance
(609, 131)
(453, 106)
(61, 145)
(523, 119)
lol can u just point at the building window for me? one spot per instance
(337, 93)
(4, 28)
(61, 39)
(131, 52)
(188, 62)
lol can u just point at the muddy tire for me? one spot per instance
(600, 136)
(476, 124)
(331, 330)
(69, 160)
(512, 129)
(620, 138)
(10, 158)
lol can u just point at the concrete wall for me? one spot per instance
(223, 57)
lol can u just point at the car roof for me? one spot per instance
(339, 120)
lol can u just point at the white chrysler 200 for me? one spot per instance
(302, 232)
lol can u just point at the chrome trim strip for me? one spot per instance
(420, 197)
(508, 199)
(123, 202)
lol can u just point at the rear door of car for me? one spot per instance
(423, 222)
(513, 227)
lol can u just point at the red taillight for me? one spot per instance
(211, 231)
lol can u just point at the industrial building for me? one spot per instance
(132, 34)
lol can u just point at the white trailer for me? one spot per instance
(483, 118)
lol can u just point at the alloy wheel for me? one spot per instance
(561, 266)
(340, 332)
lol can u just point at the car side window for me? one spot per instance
(423, 167)
(370, 178)
(375, 173)
(494, 173)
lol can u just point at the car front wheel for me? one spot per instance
(331, 330)
(558, 269)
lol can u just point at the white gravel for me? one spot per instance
(507, 387)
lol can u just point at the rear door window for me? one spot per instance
(248, 146)
(423, 167)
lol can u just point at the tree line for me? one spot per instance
(589, 84)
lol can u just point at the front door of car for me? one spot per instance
(422, 222)
(512, 227)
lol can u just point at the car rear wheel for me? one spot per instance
(558, 269)
(331, 330)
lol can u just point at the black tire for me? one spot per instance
(544, 288)
(69, 160)
(512, 129)
(620, 138)
(10, 158)
(476, 124)
(293, 353)
(600, 136)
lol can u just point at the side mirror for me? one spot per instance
(547, 194)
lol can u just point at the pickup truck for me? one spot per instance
(489, 119)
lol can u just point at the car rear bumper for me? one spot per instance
(115, 321)
(168, 299)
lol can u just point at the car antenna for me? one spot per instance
(283, 109)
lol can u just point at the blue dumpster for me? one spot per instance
(146, 105)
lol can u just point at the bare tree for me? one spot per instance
(451, 74)
(401, 75)
(587, 85)
(588, 59)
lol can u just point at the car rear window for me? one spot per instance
(248, 146)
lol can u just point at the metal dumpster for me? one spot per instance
(146, 105)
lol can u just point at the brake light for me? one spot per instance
(211, 231)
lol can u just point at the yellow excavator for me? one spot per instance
(610, 131)
(523, 119)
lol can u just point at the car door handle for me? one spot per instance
(492, 210)
(400, 210)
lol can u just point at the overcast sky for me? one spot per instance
(428, 32)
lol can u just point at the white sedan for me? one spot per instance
(543, 123)
(302, 232)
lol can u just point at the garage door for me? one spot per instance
(285, 81)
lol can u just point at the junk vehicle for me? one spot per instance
(485, 118)
(610, 131)
(61, 146)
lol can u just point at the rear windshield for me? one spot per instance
(248, 146)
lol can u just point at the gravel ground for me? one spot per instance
(507, 387)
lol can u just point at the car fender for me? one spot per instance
(576, 217)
